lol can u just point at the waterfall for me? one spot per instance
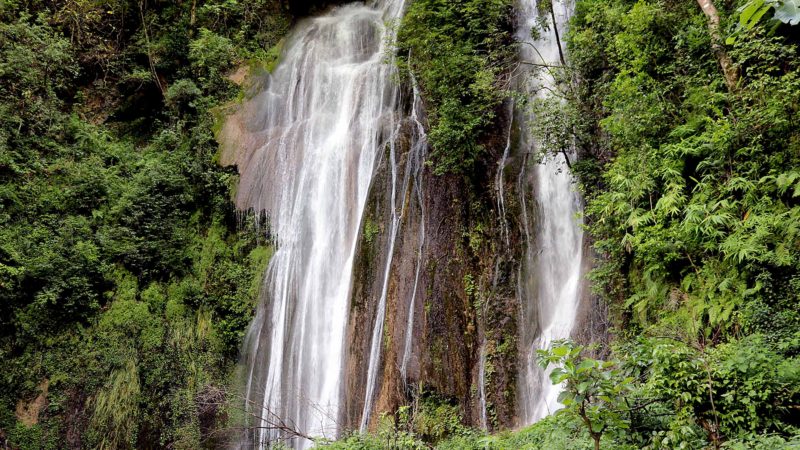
(413, 172)
(482, 385)
(498, 179)
(419, 153)
(306, 148)
(377, 329)
(550, 287)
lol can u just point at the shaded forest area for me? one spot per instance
(126, 278)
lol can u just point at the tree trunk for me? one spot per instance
(156, 79)
(728, 69)
(558, 39)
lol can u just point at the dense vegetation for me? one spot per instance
(126, 282)
(692, 199)
(459, 52)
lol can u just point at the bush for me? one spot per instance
(457, 50)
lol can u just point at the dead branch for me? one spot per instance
(263, 418)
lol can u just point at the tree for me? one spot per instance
(594, 390)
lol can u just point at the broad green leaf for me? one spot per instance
(561, 351)
(585, 365)
(556, 374)
(746, 18)
(758, 15)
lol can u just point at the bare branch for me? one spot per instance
(263, 418)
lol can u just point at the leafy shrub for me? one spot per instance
(457, 50)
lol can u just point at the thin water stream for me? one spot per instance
(550, 284)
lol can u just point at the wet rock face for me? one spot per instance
(461, 277)
(591, 319)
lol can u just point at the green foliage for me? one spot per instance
(116, 408)
(690, 199)
(595, 391)
(126, 277)
(457, 50)
(787, 11)
(696, 209)
(764, 442)
(751, 13)
(35, 66)
(387, 436)
(211, 56)
(371, 230)
(32, 437)
(742, 389)
(429, 421)
(559, 432)
(663, 393)
(434, 420)
(554, 130)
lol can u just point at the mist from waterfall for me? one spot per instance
(306, 147)
(550, 281)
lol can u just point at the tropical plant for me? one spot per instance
(593, 390)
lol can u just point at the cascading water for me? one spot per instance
(498, 179)
(377, 329)
(419, 153)
(413, 172)
(306, 147)
(550, 285)
(484, 423)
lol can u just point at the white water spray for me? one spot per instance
(551, 286)
(306, 147)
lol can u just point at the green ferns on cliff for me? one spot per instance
(699, 202)
(693, 203)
